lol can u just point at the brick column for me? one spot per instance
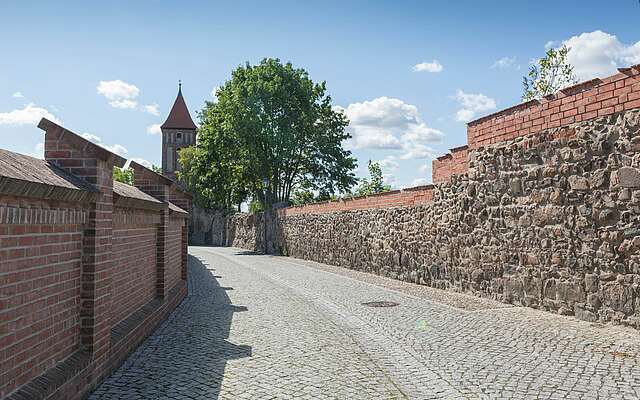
(185, 250)
(157, 186)
(184, 200)
(95, 165)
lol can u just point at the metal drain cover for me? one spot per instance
(380, 304)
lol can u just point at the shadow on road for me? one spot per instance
(203, 327)
(186, 357)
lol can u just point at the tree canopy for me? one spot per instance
(548, 75)
(270, 122)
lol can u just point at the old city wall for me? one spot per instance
(545, 213)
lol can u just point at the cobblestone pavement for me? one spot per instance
(257, 327)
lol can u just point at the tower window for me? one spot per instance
(179, 135)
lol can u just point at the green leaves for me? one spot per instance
(270, 121)
(124, 175)
(376, 182)
(550, 74)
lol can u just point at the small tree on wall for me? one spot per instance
(548, 75)
(376, 182)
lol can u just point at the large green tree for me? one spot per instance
(270, 121)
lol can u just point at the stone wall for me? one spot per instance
(207, 227)
(549, 220)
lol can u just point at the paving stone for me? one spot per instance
(292, 329)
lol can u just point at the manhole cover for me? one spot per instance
(380, 304)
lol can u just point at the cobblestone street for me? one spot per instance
(257, 327)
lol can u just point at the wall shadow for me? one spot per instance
(188, 354)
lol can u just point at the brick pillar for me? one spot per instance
(184, 200)
(161, 254)
(188, 203)
(95, 165)
(157, 186)
(185, 250)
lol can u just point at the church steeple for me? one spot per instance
(178, 132)
(179, 117)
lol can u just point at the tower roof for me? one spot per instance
(179, 117)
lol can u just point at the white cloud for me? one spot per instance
(387, 123)
(38, 151)
(505, 62)
(425, 168)
(551, 44)
(388, 164)
(154, 129)
(29, 115)
(116, 148)
(143, 162)
(124, 103)
(433, 66)
(121, 94)
(465, 115)
(472, 104)
(152, 109)
(91, 137)
(599, 54)
(389, 179)
(419, 182)
(417, 150)
(18, 95)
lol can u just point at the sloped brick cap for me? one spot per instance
(81, 143)
(177, 186)
(130, 196)
(174, 209)
(22, 175)
(158, 177)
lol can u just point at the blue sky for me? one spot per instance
(407, 73)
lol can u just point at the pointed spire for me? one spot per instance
(179, 117)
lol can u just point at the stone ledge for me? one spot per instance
(54, 378)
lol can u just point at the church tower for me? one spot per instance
(178, 131)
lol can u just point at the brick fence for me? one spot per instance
(88, 266)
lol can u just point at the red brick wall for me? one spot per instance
(72, 275)
(396, 198)
(174, 251)
(183, 200)
(134, 249)
(93, 164)
(587, 100)
(39, 288)
(180, 198)
(454, 163)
